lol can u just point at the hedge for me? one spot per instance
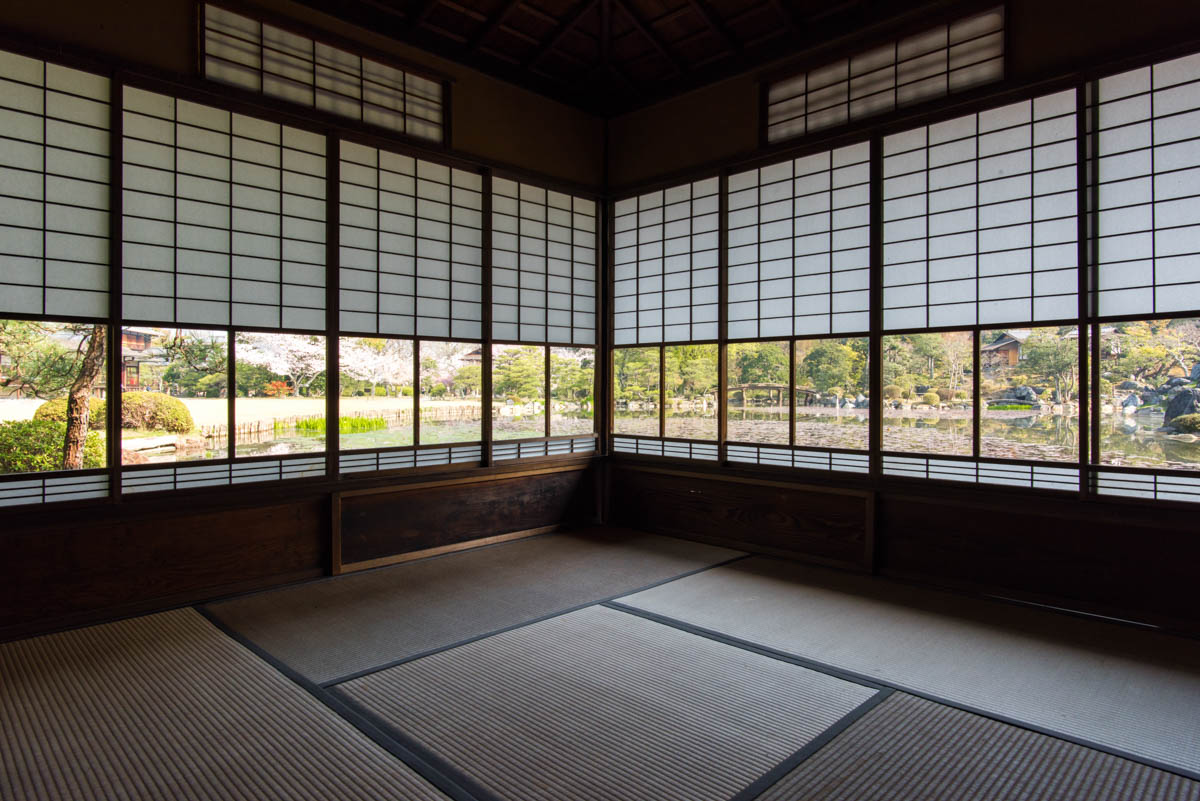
(32, 446)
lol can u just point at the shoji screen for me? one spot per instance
(252, 55)
(979, 218)
(543, 265)
(410, 246)
(665, 266)
(1149, 174)
(224, 217)
(949, 58)
(799, 246)
(54, 148)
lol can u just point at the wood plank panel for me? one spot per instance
(827, 526)
(85, 570)
(1127, 562)
(386, 523)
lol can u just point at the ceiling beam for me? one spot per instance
(493, 24)
(711, 20)
(420, 11)
(650, 34)
(569, 20)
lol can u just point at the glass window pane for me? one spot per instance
(758, 392)
(572, 391)
(376, 380)
(518, 391)
(451, 406)
(692, 373)
(832, 384)
(1029, 384)
(1149, 400)
(924, 376)
(280, 406)
(40, 362)
(635, 401)
(175, 401)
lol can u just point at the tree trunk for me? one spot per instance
(78, 409)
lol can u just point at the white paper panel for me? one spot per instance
(799, 242)
(980, 218)
(410, 258)
(1149, 206)
(54, 144)
(250, 55)
(666, 265)
(949, 58)
(544, 254)
(224, 218)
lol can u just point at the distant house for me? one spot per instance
(137, 349)
(1005, 349)
(474, 357)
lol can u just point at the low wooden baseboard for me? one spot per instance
(458, 546)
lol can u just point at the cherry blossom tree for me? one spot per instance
(299, 358)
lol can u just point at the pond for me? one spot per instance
(1128, 440)
(433, 432)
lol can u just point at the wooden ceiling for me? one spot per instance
(609, 56)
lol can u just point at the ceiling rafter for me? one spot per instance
(701, 7)
(493, 24)
(611, 56)
(651, 35)
(569, 20)
(420, 11)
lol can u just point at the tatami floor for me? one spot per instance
(601, 665)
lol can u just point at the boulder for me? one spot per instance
(1195, 374)
(1177, 381)
(1025, 394)
(1186, 402)
(859, 398)
(1151, 398)
(1127, 385)
(1131, 402)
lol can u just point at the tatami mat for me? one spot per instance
(334, 628)
(168, 707)
(1126, 689)
(602, 705)
(910, 748)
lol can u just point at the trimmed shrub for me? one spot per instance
(32, 446)
(154, 411)
(944, 394)
(56, 410)
(931, 398)
(1187, 422)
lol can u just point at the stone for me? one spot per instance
(1131, 402)
(1127, 385)
(1186, 402)
(1195, 374)
(1151, 398)
(1025, 393)
(1177, 381)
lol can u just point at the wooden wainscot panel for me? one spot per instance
(393, 524)
(1133, 563)
(64, 574)
(825, 525)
